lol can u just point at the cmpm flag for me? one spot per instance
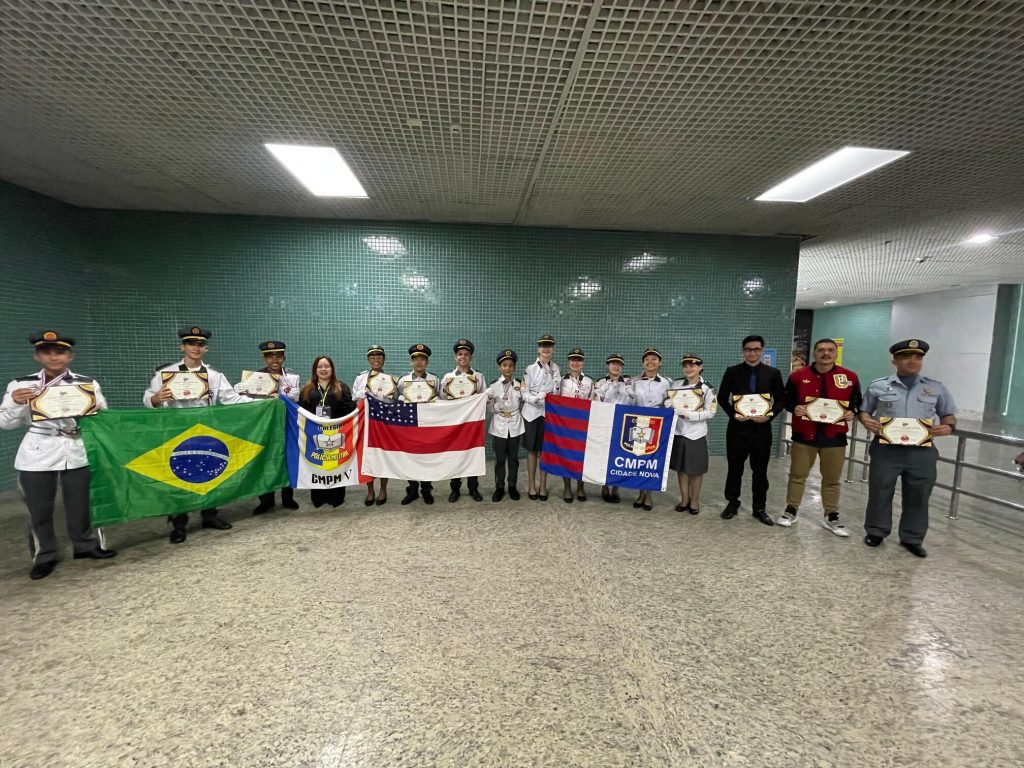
(425, 441)
(607, 443)
(322, 453)
(158, 462)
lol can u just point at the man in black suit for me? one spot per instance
(752, 394)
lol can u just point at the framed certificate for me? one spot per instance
(822, 410)
(260, 384)
(899, 431)
(64, 401)
(185, 385)
(418, 391)
(686, 399)
(460, 385)
(753, 405)
(381, 385)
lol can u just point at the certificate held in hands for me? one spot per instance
(381, 385)
(823, 410)
(64, 401)
(418, 391)
(185, 385)
(899, 431)
(686, 400)
(260, 383)
(753, 405)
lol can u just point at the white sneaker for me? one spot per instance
(831, 522)
(787, 518)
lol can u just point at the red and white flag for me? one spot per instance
(425, 441)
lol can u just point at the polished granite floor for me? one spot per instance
(528, 634)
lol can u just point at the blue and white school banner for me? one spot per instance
(607, 443)
(322, 453)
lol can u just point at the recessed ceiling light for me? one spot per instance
(320, 169)
(982, 237)
(832, 301)
(833, 171)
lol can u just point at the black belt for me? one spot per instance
(55, 431)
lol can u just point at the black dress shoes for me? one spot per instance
(513, 493)
(762, 516)
(178, 535)
(265, 507)
(99, 553)
(453, 497)
(615, 499)
(475, 494)
(289, 504)
(915, 549)
(428, 498)
(498, 495)
(730, 510)
(42, 570)
(217, 523)
(872, 541)
(409, 498)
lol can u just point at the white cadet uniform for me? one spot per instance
(52, 454)
(220, 392)
(428, 377)
(693, 425)
(360, 391)
(505, 400)
(52, 445)
(481, 382)
(650, 393)
(539, 380)
(618, 391)
(581, 388)
(289, 385)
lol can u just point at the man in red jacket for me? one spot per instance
(823, 398)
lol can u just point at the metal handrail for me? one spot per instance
(959, 464)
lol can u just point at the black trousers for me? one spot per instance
(742, 442)
(333, 496)
(473, 483)
(917, 471)
(287, 494)
(506, 454)
(416, 486)
(181, 520)
(39, 489)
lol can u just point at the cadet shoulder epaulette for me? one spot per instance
(164, 365)
(29, 377)
(79, 377)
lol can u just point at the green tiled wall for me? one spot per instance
(864, 329)
(1005, 395)
(321, 287)
(42, 278)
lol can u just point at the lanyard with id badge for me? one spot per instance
(323, 410)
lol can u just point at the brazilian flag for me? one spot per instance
(147, 462)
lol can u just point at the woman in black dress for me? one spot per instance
(328, 396)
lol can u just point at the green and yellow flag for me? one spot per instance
(159, 462)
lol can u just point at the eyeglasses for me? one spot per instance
(752, 349)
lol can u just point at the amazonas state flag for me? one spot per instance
(607, 443)
(157, 462)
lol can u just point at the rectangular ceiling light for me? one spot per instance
(320, 169)
(835, 170)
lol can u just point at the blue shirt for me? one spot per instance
(924, 399)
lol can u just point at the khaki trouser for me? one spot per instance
(801, 459)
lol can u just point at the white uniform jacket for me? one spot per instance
(289, 385)
(220, 391)
(428, 377)
(618, 391)
(481, 382)
(539, 381)
(693, 425)
(581, 388)
(650, 392)
(360, 392)
(505, 401)
(51, 445)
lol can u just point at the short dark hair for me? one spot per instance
(826, 340)
(753, 338)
